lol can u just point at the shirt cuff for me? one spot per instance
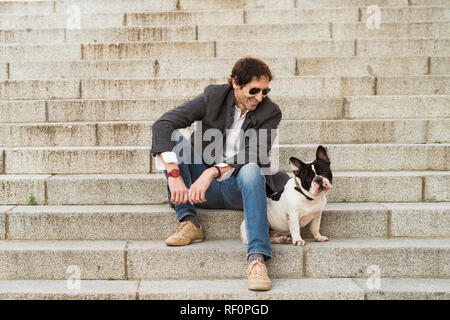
(227, 174)
(168, 157)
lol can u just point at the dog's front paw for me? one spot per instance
(321, 239)
(299, 242)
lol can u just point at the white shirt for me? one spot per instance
(233, 139)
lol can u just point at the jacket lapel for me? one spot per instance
(249, 118)
(230, 103)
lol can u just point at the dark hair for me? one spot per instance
(248, 67)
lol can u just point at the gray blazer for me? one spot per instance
(215, 109)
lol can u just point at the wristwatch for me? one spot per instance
(174, 173)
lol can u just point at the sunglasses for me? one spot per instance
(254, 91)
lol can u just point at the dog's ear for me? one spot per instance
(296, 164)
(321, 154)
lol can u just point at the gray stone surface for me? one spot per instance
(234, 4)
(124, 69)
(22, 111)
(348, 3)
(394, 258)
(356, 186)
(410, 85)
(101, 223)
(282, 289)
(352, 220)
(440, 65)
(26, 7)
(365, 187)
(37, 89)
(439, 131)
(196, 17)
(47, 134)
(373, 157)
(392, 30)
(32, 36)
(48, 52)
(110, 110)
(403, 107)
(277, 31)
(419, 13)
(149, 50)
(362, 66)
(286, 48)
(37, 21)
(72, 160)
(17, 189)
(402, 47)
(209, 259)
(420, 219)
(408, 289)
(3, 211)
(352, 131)
(436, 185)
(106, 6)
(107, 189)
(60, 290)
(311, 15)
(60, 260)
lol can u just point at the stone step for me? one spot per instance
(155, 68)
(367, 47)
(345, 14)
(362, 66)
(365, 3)
(217, 67)
(124, 34)
(411, 13)
(26, 7)
(105, 6)
(139, 133)
(127, 189)
(183, 87)
(226, 17)
(284, 4)
(153, 260)
(99, 20)
(364, 131)
(71, 7)
(135, 160)
(403, 107)
(391, 30)
(339, 221)
(301, 108)
(402, 47)
(289, 289)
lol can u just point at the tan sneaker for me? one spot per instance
(257, 276)
(187, 233)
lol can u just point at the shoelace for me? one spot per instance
(182, 227)
(257, 268)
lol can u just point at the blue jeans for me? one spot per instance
(245, 190)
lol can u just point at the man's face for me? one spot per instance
(245, 98)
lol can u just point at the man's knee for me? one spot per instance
(251, 173)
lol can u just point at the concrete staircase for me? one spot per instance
(76, 110)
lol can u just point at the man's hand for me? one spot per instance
(198, 188)
(178, 191)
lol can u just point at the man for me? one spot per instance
(238, 182)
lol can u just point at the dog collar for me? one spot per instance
(299, 189)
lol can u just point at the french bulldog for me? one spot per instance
(300, 202)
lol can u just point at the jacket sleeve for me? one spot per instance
(178, 118)
(257, 144)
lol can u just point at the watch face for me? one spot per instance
(174, 173)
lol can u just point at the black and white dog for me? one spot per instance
(300, 202)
